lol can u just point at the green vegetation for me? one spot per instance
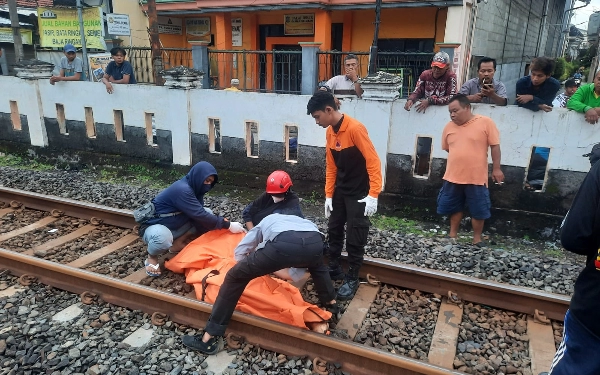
(400, 224)
(313, 198)
(554, 252)
(19, 162)
(560, 68)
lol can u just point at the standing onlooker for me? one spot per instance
(179, 214)
(485, 89)
(71, 66)
(561, 99)
(537, 90)
(352, 177)
(118, 70)
(466, 139)
(235, 84)
(278, 198)
(435, 86)
(587, 100)
(580, 233)
(348, 81)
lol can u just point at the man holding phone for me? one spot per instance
(485, 89)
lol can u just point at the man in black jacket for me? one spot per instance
(580, 233)
(278, 198)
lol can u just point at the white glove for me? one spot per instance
(235, 227)
(328, 206)
(370, 205)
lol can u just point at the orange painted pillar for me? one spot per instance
(223, 42)
(323, 29)
(253, 59)
(347, 33)
(323, 36)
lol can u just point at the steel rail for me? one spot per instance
(270, 335)
(69, 207)
(485, 292)
(498, 295)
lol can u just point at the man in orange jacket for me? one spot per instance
(352, 186)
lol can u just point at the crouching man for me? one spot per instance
(278, 243)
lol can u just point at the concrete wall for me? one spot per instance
(182, 134)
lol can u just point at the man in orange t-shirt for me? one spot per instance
(467, 138)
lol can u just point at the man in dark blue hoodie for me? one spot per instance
(180, 210)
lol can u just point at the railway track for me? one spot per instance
(454, 292)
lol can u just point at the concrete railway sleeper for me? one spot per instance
(433, 296)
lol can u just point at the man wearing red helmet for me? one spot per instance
(277, 199)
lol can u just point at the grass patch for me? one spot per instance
(399, 224)
(14, 161)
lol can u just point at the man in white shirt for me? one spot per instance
(347, 83)
(280, 244)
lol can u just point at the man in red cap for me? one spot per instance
(435, 86)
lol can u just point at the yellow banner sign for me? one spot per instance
(197, 26)
(299, 24)
(6, 35)
(59, 26)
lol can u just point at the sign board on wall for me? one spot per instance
(236, 32)
(59, 26)
(97, 64)
(299, 24)
(197, 26)
(6, 35)
(118, 24)
(169, 25)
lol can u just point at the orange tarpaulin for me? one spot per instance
(264, 296)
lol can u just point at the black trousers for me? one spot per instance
(347, 211)
(288, 249)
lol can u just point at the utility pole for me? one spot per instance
(82, 33)
(16, 29)
(373, 49)
(157, 64)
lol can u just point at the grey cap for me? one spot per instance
(441, 60)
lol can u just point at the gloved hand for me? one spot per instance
(370, 205)
(328, 206)
(235, 227)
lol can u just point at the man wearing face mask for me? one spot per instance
(180, 215)
(277, 198)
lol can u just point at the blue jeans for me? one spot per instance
(577, 353)
(160, 238)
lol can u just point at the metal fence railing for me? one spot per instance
(141, 61)
(409, 65)
(262, 71)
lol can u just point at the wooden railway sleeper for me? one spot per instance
(159, 319)
(27, 280)
(453, 298)
(540, 317)
(320, 366)
(87, 298)
(234, 341)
